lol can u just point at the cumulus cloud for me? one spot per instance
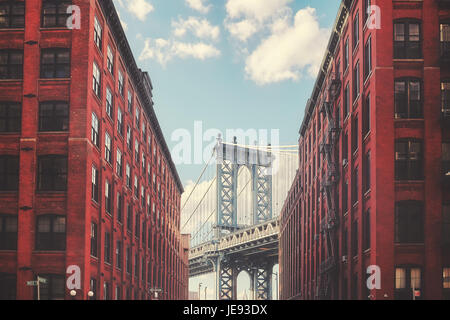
(201, 28)
(139, 8)
(256, 9)
(289, 51)
(199, 5)
(164, 50)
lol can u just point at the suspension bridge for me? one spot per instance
(232, 213)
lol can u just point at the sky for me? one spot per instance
(225, 65)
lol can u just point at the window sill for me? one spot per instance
(49, 251)
(14, 29)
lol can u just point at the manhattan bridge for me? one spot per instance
(232, 213)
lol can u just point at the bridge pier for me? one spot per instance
(262, 282)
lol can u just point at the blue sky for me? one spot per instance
(231, 63)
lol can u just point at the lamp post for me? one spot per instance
(276, 284)
(205, 291)
(199, 287)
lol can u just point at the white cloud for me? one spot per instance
(201, 28)
(139, 8)
(242, 30)
(199, 5)
(256, 9)
(290, 50)
(163, 50)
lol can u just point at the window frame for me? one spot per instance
(405, 231)
(52, 159)
(8, 238)
(408, 103)
(13, 71)
(11, 5)
(58, 70)
(54, 237)
(409, 174)
(65, 16)
(407, 43)
(57, 122)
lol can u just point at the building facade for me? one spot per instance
(371, 200)
(86, 179)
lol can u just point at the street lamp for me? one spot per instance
(205, 291)
(90, 294)
(199, 286)
(276, 284)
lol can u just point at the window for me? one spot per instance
(10, 117)
(110, 60)
(8, 232)
(52, 173)
(345, 196)
(119, 121)
(366, 235)
(94, 240)
(367, 172)
(96, 84)
(120, 82)
(368, 58)
(445, 97)
(51, 233)
(345, 149)
(346, 101)
(11, 64)
(367, 12)
(54, 116)
(408, 282)
(54, 13)
(136, 187)
(94, 130)
(108, 247)
(128, 260)
(12, 14)
(93, 288)
(355, 134)
(136, 267)
(137, 118)
(108, 154)
(130, 102)
(109, 103)
(446, 224)
(55, 63)
(94, 184)
(119, 255)
(407, 40)
(8, 285)
(9, 173)
(408, 99)
(129, 218)
(142, 196)
(53, 289)
(106, 291)
(356, 31)
(129, 137)
(356, 82)
(355, 238)
(409, 222)
(346, 54)
(108, 197)
(445, 40)
(118, 293)
(355, 184)
(128, 175)
(408, 160)
(136, 151)
(98, 33)
(119, 207)
(119, 163)
(137, 225)
(366, 116)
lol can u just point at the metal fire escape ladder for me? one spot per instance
(331, 221)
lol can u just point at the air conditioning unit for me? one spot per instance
(344, 162)
(344, 259)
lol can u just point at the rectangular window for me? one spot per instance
(346, 54)
(368, 58)
(120, 82)
(108, 197)
(367, 11)
(346, 101)
(345, 149)
(355, 185)
(355, 238)
(137, 225)
(128, 260)
(119, 121)
(10, 117)
(106, 291)
(110, 60)
(409, 222)
(408, 283)
(356, 82)
(408, 160)
(445, 98)
(136, 187)
(128, 175)
(53, 289)
(119, 207)
(118, 293)
(108, 247)
(445, 40)
(51, 233)
(8, 286)
(54, 13)
(366, 236)
(355, 134)
(367, 172)
(136, 151)
(119, 255)
(408, 99)
(52, 173)
(9, 173)
(11, 64)
(8, 232)
(446, 224)
(407, 40)
(94, 130)
(119, 163)
(54, 116)
(96, 80)
(12, 14)
(130, 102)
(98, 33)
(94, 240)
(129, 218)
(108, 148)
(345, 197)
(94, 184)
(366, 115)
(356, 31)
(55, 63)
(129, 137)
(109, 103)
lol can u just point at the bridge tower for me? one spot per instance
(230, 157)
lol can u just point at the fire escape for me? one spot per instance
(330, 222)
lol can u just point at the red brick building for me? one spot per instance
(373, 184)
(86, 177)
